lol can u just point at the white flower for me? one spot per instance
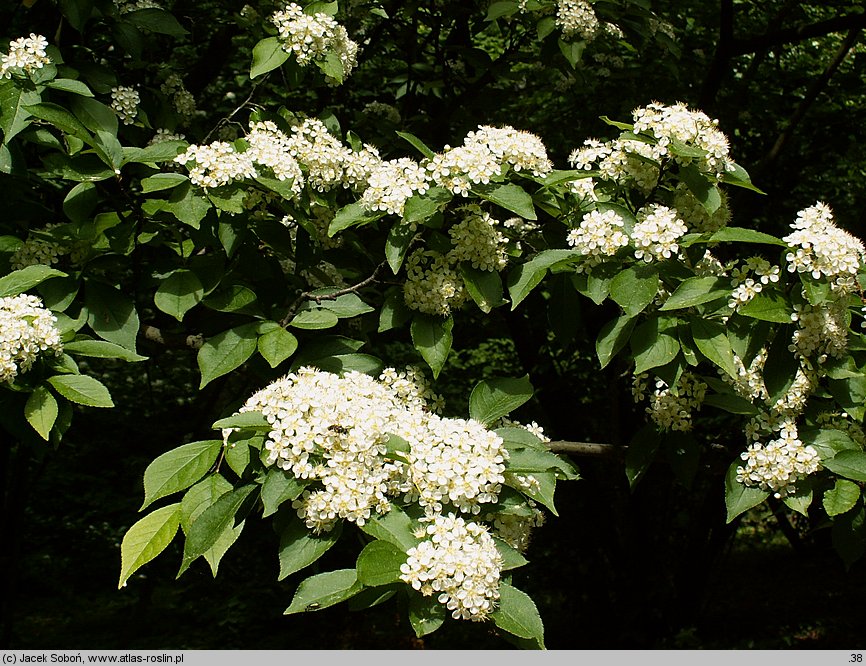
(478, 240)
(777, 466)
(25, 53)
(312, 38)
(432, 285)
(124, 101)
(460, 563)
(27, 331)
(656, 233)
(577, 17)
(391, 183)
(599, 235)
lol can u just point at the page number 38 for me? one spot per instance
(856, 658)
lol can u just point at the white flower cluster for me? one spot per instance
(391, 183)
(747, 287)
(382, 112)
(432, 285)
(577, 17)
(173, 88)
(656, 234)
(25, 53)
(822, 330)
(312, 38)
(37, 251)
(671, 409)
(162, 134)
(27, 330)
(335, 430)
(270, 147)
(749, 382)
(624, 161)
(216, 164)
(692, 128)
(709, 266)
(327, 161)
(477, 239)
(778, 466)
(599, 235)
(483, 156)
(823, 249)
(459, 561)
(124, 102)
(584, 189)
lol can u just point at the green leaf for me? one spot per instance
(21, 280)
(95, 115)
(344, 306)
(697, 290)
(210, 526)
(432, 338)
(705, 191)
(147, 539)
(324, 590)
(511, 557)
(41, 411)
(849, 535)
(156, 20)
(14, 102)
(511, 197)
(781, 366)
(331, 66)
(531, 460)
(399, 238)
(841, 498)
(612, 337)
(71, 86)
(571, 51)
(828, 441)
(276, 346)
(731, 403)
(379, 564)
(416, 143)
(850, 394)
(279, 486)
(225, 352)
(101, 349)
(162, 181)
(741, 235)
(545, 490)
(426, 614)
(61, 119)
(111, 314)
(80, 202)
(768, 306)
(395, 527)
(739, 177)
(233, 298)
(342, 363)
(179, 293)
(518, 615)
(314, 320)
(500, 9)
(187, 206)
(268, 55)
(739, 498)
(850, 464)
(164, 151)
(526, 277)
(635, 287)
(713, 343)
(494, 398)
(485, 287)
(641, 452)
(82, 390)
(352, 215)
(178, 469)
(243, 420)
(651, 347)
(801, 499)
(394, 312)
(201, 496)
(299, 547)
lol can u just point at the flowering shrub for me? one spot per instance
(279, 245)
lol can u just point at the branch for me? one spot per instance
(798, 34)
(811, 95)
(224, 121)
(588, 449)
(333, 296)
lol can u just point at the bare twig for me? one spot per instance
(241, 106)
(588, 449)
(154, 334)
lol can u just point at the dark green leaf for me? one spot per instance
(494, 398)
(21, 280)
(276, 346)
(635, 287)
(395, 527)
(511, 197)
(711, 340)
(841, 498)
(850, 464)
(179, 293)
(432, 338)
(101, 349)
(426, 614)
(82, 390)
(324, 590)
(268, 55)
(225, 352)
(111, 314)
(379, 563)
(299, 547)
(739, 498)
(279, 486)
(526, 277)
(741, 235)
(697, 290)
(612, 337)
(518, 615)
(485, 287)
(41, 411)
